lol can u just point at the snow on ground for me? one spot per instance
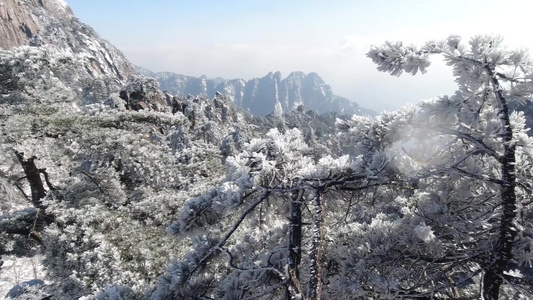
(62, 3)
(16, 270)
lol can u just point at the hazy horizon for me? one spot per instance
(248, 39)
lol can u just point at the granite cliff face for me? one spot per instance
(51, 23)
(261, 95)
(21, 22)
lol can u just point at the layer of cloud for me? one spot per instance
(331, 43)
(342, 65)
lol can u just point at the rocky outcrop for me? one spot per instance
(21, 21)
(141, 93)
(51, 22)
(261, 95)
(139, 100)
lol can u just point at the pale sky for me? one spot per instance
(249, 38)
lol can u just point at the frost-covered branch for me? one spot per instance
(478, 142)
(459, 171)
(17, 185)
(230, 259)
(214, 250)
(396, 58)
(480, 115)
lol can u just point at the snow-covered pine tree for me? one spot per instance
(118, 176)
(263, 232)
(471, 158)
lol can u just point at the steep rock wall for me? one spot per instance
(21, 21)
(52, 22)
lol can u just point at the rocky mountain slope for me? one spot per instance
(102, 69)
(23, 21)
(51, 23)
(260, 96)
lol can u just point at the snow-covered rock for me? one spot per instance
(51, 22)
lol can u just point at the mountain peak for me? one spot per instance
(296, 74)
(261, 95)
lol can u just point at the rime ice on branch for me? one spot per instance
(479, 119)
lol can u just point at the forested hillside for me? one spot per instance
(135, 193)
(117, 173)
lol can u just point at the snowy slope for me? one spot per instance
(51, 22)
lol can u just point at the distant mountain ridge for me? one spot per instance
(260, 96)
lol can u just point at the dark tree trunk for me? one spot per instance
(38, 192)
(295, 243)
(315, 271)
(33, 175)
(502, 254)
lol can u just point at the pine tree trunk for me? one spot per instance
(492, 279)
(315, 271)
(38, 192)
(295, 243)
(33, 175)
